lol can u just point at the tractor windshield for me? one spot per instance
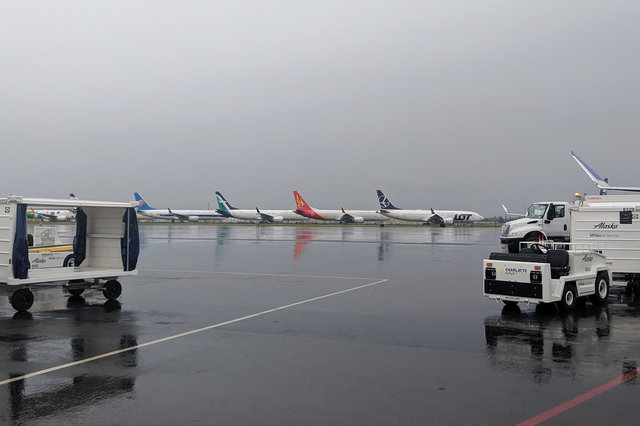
(536, 211)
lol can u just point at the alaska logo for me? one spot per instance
(299, 202)
(603, 225)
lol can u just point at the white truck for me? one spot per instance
(604, 249)
(105, 246)
(544, 220)
(46, 250)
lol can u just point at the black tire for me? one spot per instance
(602, 289)
(534, 236)
(569, 298)
(513, 247)
(75, 291)
(112, 290)
(21, 299)
(69, 261)
(510, 303)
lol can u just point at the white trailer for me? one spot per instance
(611, 225)
(105, 247)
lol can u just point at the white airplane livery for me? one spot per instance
(341, 215)
(262, 216)
(53, 215)
(181, 215)
(431, 216)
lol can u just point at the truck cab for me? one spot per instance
(544, 220)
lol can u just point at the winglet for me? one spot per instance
(597, 180)
(385, 204)
(508, 213)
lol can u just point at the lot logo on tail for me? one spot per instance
(384, 202)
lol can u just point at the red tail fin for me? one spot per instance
(300, 203)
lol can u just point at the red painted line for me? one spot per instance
(579, 399)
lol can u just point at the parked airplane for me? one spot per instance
(603, 184)
(342, 215)
(263, 216)
(168, 214)
(441, 217)
(53, 215)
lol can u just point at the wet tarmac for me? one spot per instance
(313, 325)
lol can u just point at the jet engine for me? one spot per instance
(193, 218)
(278, 219)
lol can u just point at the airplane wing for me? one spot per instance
(179, 216)
(346, 217)
(435, 218)
(264, 218)
(597, 180)
(508, 213)
(49, 217)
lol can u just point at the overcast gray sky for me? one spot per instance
(443, 104)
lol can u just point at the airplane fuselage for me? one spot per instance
(175, 214)
(252, 214)
(420, 215)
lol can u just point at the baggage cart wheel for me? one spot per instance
(22, 299)
(602, 289)
(75, 291)
(569, 297)
(112, 290)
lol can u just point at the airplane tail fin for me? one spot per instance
(385, 204)
(223, 206)
(229, 206)
(142, 205)
(300, 203)
(72, 196)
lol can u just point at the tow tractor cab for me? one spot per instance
(544, 221)
(545, 274)
(105, 246)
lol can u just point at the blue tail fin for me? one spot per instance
(385, 204)
(229, 206)
(142, 205)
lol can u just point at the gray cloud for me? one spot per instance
(441, 104)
